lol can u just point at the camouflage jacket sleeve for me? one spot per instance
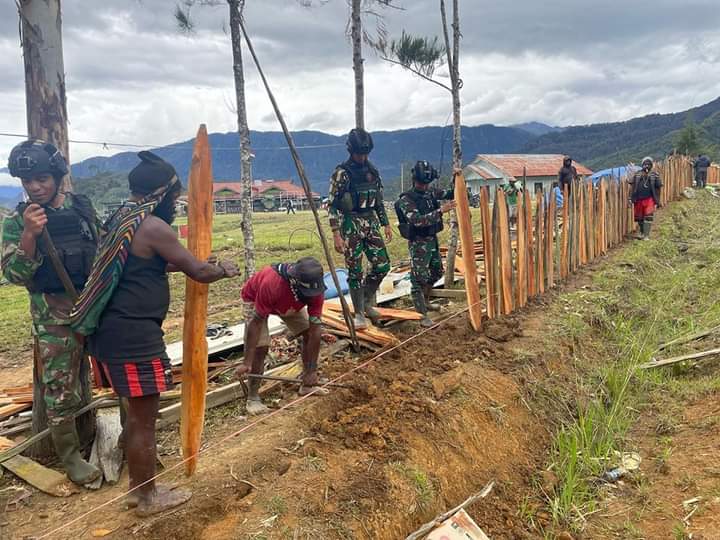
(380, 205)
(415, 218)
(17, 267)
(338, 186)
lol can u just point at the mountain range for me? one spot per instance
(596, 145)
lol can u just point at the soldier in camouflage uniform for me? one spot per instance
(421, 219)
(72, 224)
(356, 213)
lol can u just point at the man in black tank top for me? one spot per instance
(128, 343)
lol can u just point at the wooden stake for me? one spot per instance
(550, 242)
(195, 347)
(466, 239)
(539, 243)
(564, 266)
(521, 259)
(532, 285)
(505, 254)
(488, 252)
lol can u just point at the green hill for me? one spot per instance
(607, 145)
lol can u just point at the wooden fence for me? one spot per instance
(550, 244)
(713, 176)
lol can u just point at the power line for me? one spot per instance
(106, 145)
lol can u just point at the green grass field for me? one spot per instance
(278, 238)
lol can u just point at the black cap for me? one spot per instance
(150, 174)
(307, 275)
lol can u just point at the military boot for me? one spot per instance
(67, 446)
(421, 308)
(641, 228)
(646, 226)
(370, 299)
(358, 301)
(431, 306)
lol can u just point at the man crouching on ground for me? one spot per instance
(123, 308)
(293, 292)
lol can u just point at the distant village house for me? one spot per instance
(539, 170)
(267, 196)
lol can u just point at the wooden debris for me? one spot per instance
(686, 339)
(106, 454)
(455, 294)
(46, 480)
(371, 333)
(386, 314)
(676, 359)
(214, 398)
(429, 526)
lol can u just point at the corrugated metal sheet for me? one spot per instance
(534, 164)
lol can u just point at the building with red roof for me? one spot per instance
(538, 170)
(267, 195)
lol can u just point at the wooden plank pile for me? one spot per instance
(371, 337)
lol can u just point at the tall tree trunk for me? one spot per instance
(46, 104)
(358, 68)
(453, 65)
(41, 33)
(236, 8)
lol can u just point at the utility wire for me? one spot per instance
(106, 145)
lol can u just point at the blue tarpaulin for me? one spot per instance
(615, 173)
(331, 291)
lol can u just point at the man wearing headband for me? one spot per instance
(127, 340)
(72, 225)
(294, 292)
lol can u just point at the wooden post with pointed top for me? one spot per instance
(195, 348)
(472, 288)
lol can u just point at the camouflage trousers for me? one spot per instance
(59, 356)
(427, 266)
(362, 236)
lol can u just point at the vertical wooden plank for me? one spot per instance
(602, 211)
(550, 242)
(581, 224)
(592, 239)
(472, 290)
(564, 263)
(505, 254)
(497, 285)
(532, 288)
(521, 258)
(539, 243)
(488, 252)
(195, 348)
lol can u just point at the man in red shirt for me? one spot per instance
(293, 292)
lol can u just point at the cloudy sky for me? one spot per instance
(132, 78)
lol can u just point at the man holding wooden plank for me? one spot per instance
(357, 212)
(123, 307)
(293, 292)
(421, 219)
(52, 228)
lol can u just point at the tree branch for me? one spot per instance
(416, 72)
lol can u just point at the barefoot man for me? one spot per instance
(294, 292)
(123, 307)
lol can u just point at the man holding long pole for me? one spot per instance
(48, 246)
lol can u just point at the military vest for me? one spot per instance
(426, 203)
(363, 188)
(71, 230)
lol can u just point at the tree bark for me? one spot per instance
(246, 225)
(358, 67)
(41, 34)
(453, 59)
